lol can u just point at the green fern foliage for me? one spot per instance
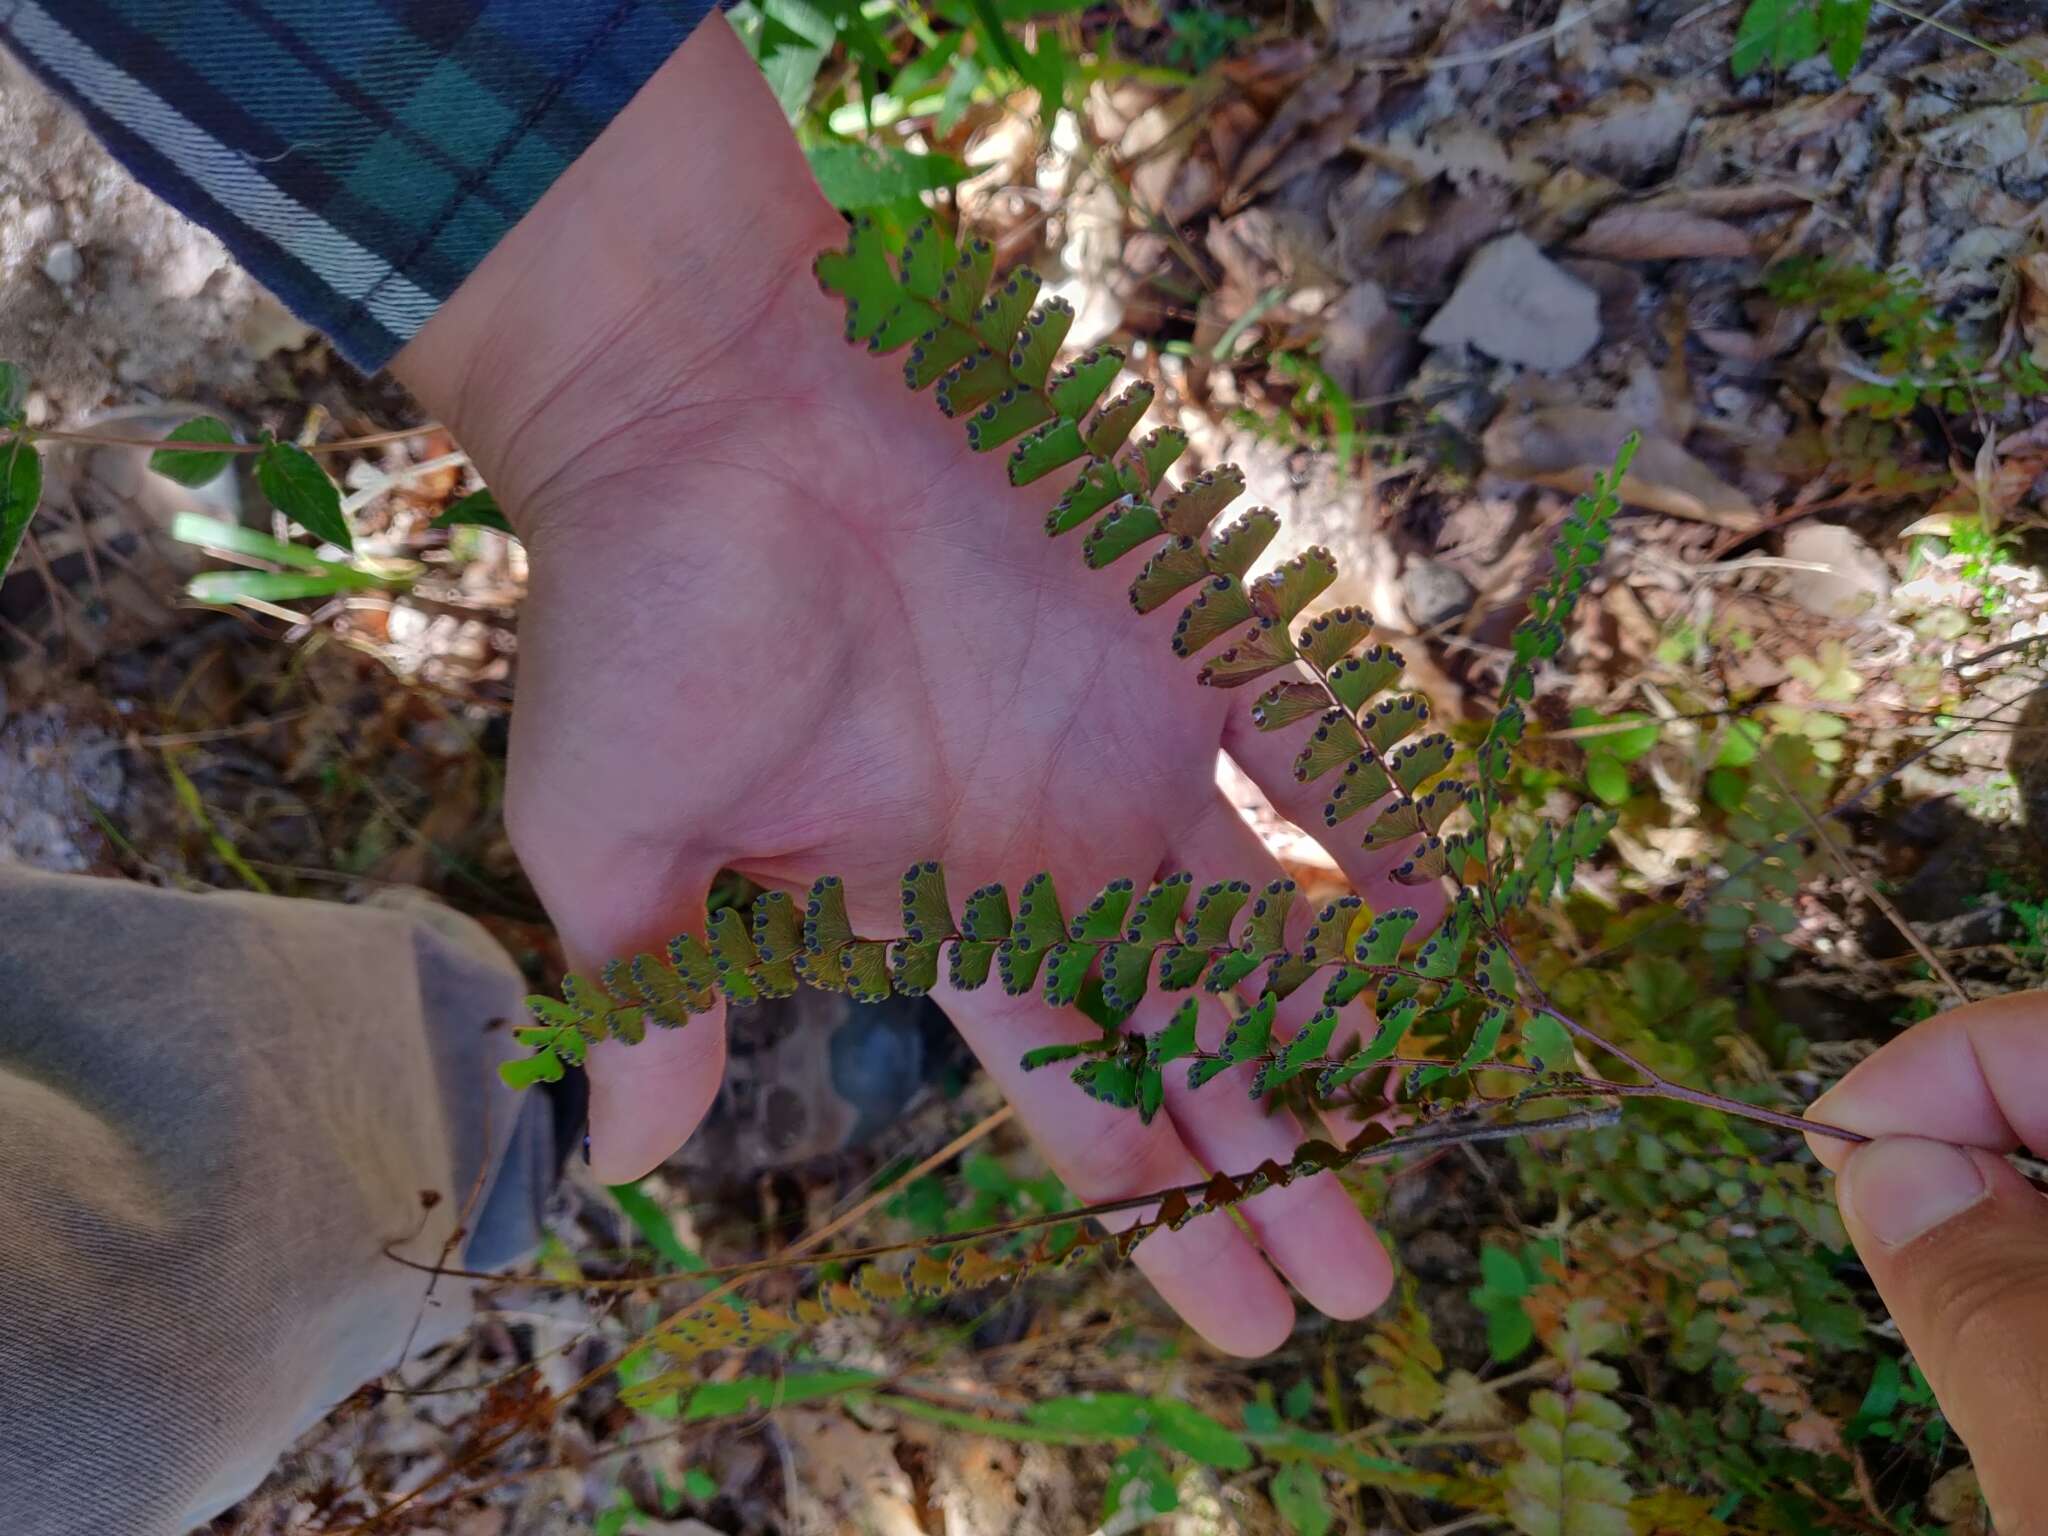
(987, 347)
(1568, 1480)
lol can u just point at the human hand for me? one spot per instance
(783, 621)
(1955, 1239)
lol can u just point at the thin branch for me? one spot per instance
(116, 440)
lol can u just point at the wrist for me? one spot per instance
(639, 293)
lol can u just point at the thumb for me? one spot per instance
(646, 1098)
(1957, 1243)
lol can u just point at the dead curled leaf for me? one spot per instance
(1567, 446)
(1660, 234)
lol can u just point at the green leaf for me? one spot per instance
(193, 466)
(1330, 638)
(1221, 604)
(1358, 679)
(1066, 968)
(654, 1224)
(1300, 1499)
(1076, 387)
(1394, 1022)
(1102, 919)
(765, 1394)
(1038, 344)
(1141, 1477)
(1216, 908)
(1381, 942)
(479, 509)
(21, 489)
(1843, 24)
(1305, 1050)
(1190, 510)
(13, 394)
(1194, 1434)
(1739, 744)
(1626, 745)
(1508, 1332)
(1501, 1275)
(1299, 1402)
(525, 1071)
(1756, 33)
(1241, 541)
(1110, 1081)
(1052, 446)
(1047, 1055)
(272, 586)
(1282, 594)
(1251, 1033)
(1119, 1414)
(1798, 39)
(299, 488)
(700, 1485)
(1547, 1043)
(1177, 1039)
(234, 539)
(927, 913)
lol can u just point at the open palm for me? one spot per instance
(782, 621)
(853, 657)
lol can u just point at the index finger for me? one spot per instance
(1976, 1076)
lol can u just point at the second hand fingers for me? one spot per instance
(1310, 1228)
(1208, 1271)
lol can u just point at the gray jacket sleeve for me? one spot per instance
(216, 1111)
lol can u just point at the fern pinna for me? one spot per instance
(989, 352)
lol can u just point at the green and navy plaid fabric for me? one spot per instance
(360, 157)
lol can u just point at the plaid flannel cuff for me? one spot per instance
(360, 157)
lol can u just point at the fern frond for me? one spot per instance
(977, 1260)
(1568, 1481)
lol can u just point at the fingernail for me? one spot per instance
(1901, 1188)
(586, 1149)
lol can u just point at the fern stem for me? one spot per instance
(1428, 1139)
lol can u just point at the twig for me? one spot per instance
(598, 1373)
(116, 440)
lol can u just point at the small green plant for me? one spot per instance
(1782, 33)
(1201, 38)
(1909, 353)
(199, 451)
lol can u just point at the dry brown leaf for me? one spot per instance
(1568, 446)
(1323, 106)
(1739, 201)
(1660, 234)
(1957, 1500)
(1631, 134)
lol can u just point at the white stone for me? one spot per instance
(1515, 304)
(62, 264)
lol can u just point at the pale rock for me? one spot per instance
(1515, 304)
(1433, 592)
(62, 264)
(1856, 583)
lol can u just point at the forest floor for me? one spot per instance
(1418, 268)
